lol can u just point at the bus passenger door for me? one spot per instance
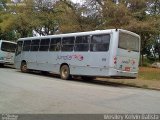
(34, 50)
(18, 54)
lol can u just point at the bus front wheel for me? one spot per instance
(24, 67)
(65, 72)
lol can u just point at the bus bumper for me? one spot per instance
(115, 72)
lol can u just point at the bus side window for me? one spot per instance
(82, 43)
(100, 43)
(26, 45)
(35, 45)
(68, 43)
(19, 48)
(44, 45)
(55, 44)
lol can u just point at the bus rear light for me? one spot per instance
(115, 60)
(133, 62)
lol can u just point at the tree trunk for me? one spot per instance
(141, 59)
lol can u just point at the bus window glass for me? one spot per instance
(82, 43)
(67, 43)
(128, 42)
(8, 47)
(55, 44)
(100, 43)
(26, 45)
(35, 45)
(44, 45)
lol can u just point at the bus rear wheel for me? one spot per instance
(65, 72)
(24, 67)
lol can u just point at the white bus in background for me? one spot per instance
(7, 52)
(113, 52)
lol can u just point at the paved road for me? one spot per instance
(35, 93)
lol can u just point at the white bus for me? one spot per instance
(113, 52)
(7, 52)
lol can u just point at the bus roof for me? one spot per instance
(8, 41)
(78, 33)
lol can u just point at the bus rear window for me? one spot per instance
(128, 42)
(8, 47)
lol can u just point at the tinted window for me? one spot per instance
(100, 42)
(68, 40)
(35, 45)
(44, 45)
(8, 47)
(55, 44)
(26, 45)
(128, 42)
(67, 43)
(82, 43)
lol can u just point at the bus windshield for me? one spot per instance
(8, 47)
(128, 42)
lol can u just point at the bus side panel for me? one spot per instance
(31, 59)
(85, 63)
(47, 61)
(113, 50)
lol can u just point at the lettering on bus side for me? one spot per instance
(71, 57)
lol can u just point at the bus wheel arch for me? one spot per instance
(65, 71)
(24, 66)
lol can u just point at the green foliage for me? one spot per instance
(63, 16)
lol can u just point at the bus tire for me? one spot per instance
(24, 67)
(65, 72)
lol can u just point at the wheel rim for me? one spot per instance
(24, 68)
(64, 72)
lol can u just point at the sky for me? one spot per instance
(77, 1)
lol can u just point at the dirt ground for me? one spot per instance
(147, 78)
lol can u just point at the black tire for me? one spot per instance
(65, 72)
(24, 68)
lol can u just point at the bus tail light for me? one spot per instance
(133, 62)
(115, 60)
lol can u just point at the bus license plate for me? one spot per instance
(127, 68)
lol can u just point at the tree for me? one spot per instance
(6, 22)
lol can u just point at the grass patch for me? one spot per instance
(148, 78)
(146, 73)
